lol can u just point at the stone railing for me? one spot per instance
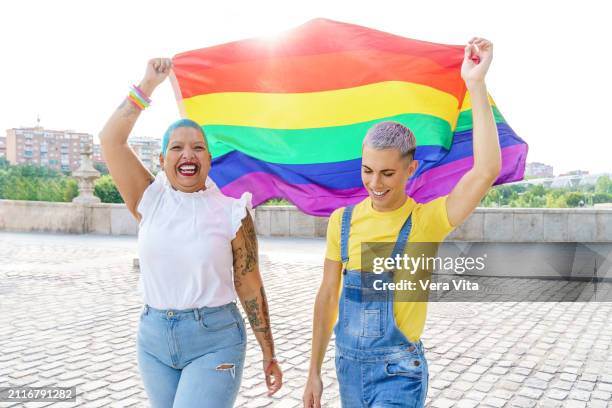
(66, 218)
(485, 224)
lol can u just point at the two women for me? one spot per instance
(191, 338)
(198, 252)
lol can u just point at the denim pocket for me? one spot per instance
(361, 317)
(217, 321)
(372, 323)
(405, 367)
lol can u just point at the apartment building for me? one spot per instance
(57, 149)
(537, 169)
(96, 156)
(2, 147)
(148, 150)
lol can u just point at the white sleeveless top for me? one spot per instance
(184, 245)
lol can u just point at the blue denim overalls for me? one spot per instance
(376, 365)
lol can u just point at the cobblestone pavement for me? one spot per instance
(69, 316)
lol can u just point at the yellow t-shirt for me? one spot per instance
(429, 224)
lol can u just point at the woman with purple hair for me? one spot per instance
(380, 359)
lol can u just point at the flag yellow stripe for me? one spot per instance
(321, 109)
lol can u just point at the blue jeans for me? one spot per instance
(376, 364)
(396, 377)
(193, 357)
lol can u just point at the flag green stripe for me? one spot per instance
(464, 122)
(317, 145)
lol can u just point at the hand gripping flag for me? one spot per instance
(286, 117)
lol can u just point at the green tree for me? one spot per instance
(573, 199)
(603, 185)
(69, 190)
(35, 183)
(538, 190)
(602, 198)
(276, 201)
(106, 189)
(101, 167)
(492, 198)
(555, 201)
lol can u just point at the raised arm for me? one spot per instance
(325, 316)
(124, 166)
(474, 184)
(250, 290)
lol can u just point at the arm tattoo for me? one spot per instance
(245, 256)
(259, 317)
(237, 282)
(266, 315)
(252, 310)
(245, 261)
(127, 109)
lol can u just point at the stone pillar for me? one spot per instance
(86, 176)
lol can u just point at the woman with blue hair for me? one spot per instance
(198, 252)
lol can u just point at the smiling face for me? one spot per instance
(384, 173)
(187, 160)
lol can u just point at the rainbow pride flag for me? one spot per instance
(285, 117)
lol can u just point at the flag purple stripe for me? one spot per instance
(316, 200)
(440, 180)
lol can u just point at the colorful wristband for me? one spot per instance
(138, 98)
(135, 102)
(142, 94)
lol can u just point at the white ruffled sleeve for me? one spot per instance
(240, 206)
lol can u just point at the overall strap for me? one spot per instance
(344, 233)
(402, 237)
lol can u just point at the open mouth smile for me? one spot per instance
(188, 169)
(379, 194)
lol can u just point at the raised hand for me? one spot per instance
(157, 71)
(476, 60)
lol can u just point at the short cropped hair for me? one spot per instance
(180, 123)
(391, 135)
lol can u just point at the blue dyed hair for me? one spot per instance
(179, 123)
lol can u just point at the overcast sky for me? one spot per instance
(71, 62)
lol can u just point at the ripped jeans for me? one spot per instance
(192, 357)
